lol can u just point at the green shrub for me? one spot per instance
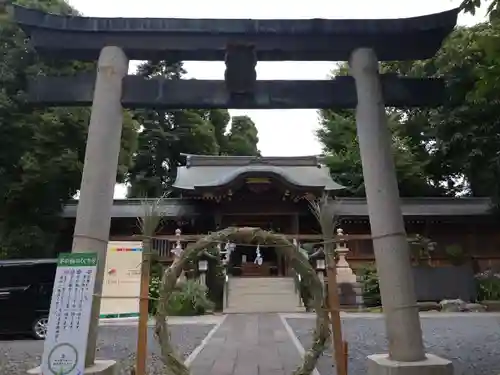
(189, 298)
(154, 294)
(421, 248)
(455, 254)
(488, 286)
(370, 286)
(155, 275)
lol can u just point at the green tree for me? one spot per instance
(461, 137)
(220, 119)
(337, 134)
(42, 149)
(165, 135)
(456, 145)
(242, 138)
(492, 10)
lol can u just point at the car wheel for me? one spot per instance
(39, 328)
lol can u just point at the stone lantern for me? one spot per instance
(350, 291)
(344, 271)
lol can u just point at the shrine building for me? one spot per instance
(273, 193)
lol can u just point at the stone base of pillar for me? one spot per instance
(100, 367)
(380, 364)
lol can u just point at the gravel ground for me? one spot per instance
(17, 355)
(472, 343)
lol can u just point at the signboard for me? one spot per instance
(122, 279)
(69, 317)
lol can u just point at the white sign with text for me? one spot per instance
(69, 318)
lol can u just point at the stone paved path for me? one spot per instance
(250, 344)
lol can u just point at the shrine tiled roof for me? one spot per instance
(215, 171)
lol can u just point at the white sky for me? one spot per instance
(298, 125)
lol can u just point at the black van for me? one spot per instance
(25, 294)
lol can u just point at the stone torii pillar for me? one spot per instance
(93, 217)
(392, 252)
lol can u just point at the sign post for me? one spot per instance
(122, 280)
(69, 317)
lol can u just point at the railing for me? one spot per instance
(162, 247)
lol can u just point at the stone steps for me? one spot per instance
(262, 295)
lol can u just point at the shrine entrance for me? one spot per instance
(244, 261)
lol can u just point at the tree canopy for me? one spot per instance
(470, 6)
(242, 138)
(166, 135)
(42, 148)
(452, 149)
(338, 136)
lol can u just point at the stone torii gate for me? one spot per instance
(241, 44)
